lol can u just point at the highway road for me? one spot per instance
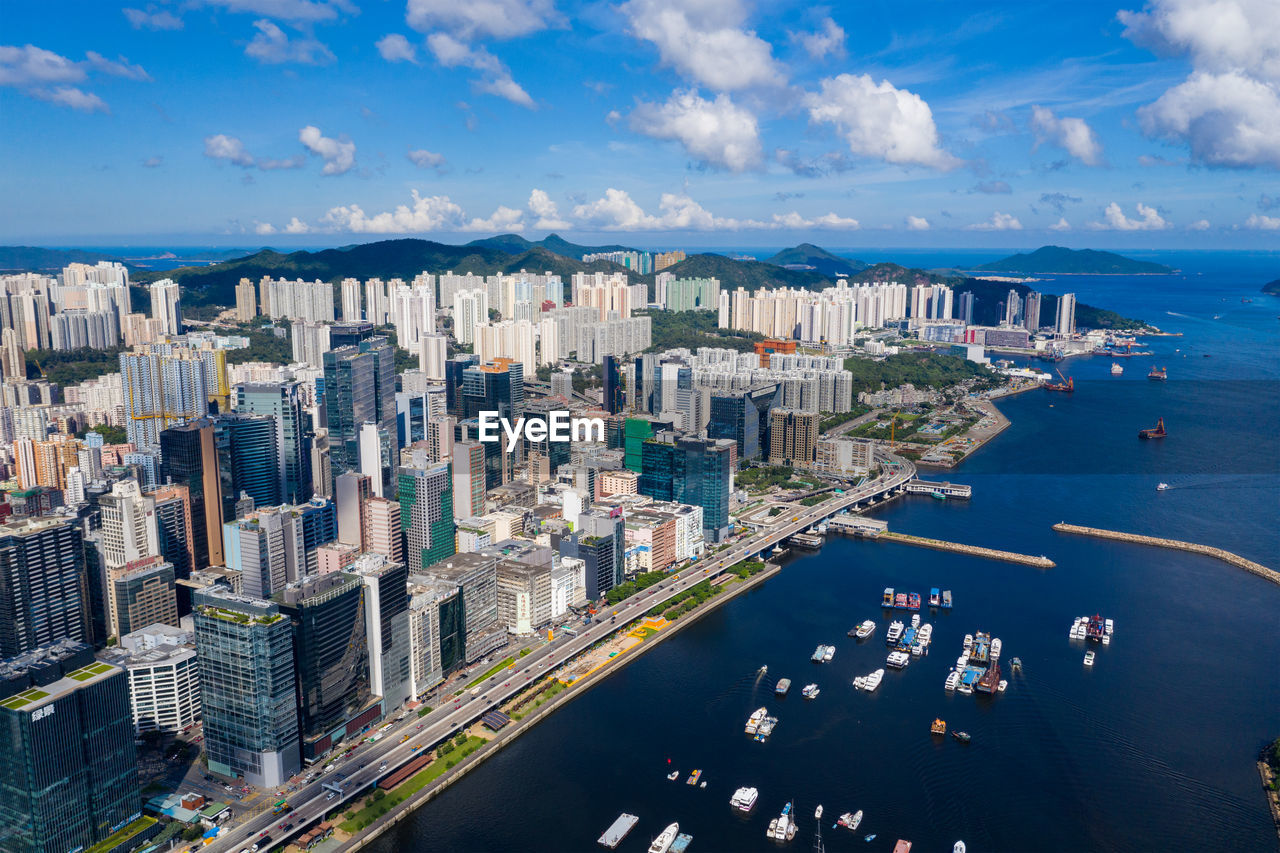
(359, 771)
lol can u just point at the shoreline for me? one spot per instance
(501, 739)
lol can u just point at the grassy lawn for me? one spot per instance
(123, 833)
(493, 670)
(544, 696)
(376, 806)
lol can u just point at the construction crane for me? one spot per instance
(1067, 384)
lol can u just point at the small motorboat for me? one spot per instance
(871, 837)
(958, 847)
(817, 813)
(673, 775)
(1162, 487)
(963, 737)
(850, 821)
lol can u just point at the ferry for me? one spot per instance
(898, 660)
(810, 691)
(663, 842)
(953, 678)
(753, 722)
(782, 827)
(935, 598)
(913, 601)
(784, 684)
(946, 599)
(744, 799)
(850, 821)
(995, 649)
(694, 777)
(895, 633)
(1157, 431)
(1116, 369)
(866, 629)
(887, 601)
(1159, 374)
(939, 727)
(1088, 658)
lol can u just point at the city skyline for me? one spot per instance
(325, 122)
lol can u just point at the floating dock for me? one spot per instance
(1175, 545)
(681, 843)
(618, 830)
(974, 550)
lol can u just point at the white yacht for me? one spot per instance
(1002, 686)
(817, 813)
(958, 847)
(925, 634)
(1088, 658)
(1110, 626)
(953, 678)
(744, 799)
(828, 654)
(962, 661)
(898, 660)
(753, 722)
(968, 642)
(895, 633)
(866, 629)
(995, 649)
(872, 681)
(850, 821)
(915, 620)
(663, 842)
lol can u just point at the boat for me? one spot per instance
(894, 634)
(953, 678)
(935, 598)
(946, 599)
(866, 629)
(887, 601)
(618, 830)
(898, 660)
(995, 648)
(1162, 487)
(1159, 374)
(816, 657)
(990, 680)
(926, 633)
(962, 661)
(681, 843)
(762, 670)
(963, 737)
(913, 601)
(937, 495)
(1156, 431)
(968, 642)
(900, 601)
(784, 684)
(958, 847)
(872, 681)
(782, 827)
(744, 799)
(673, 775)
(1002, 686)
(1088, 658)
(663, 842)
(1106, 639)
(903, 846)
(939, 727)
(766, 728)
(753, 722)
(869, 838)
(828, 654)
(810, 691)
(702, 784)
(1096, 628)
(817, 813)
(1015, 663)
(850, 821)
(694, 777)
(1116, 369)
(1110, 626)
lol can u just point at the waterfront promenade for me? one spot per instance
(1174, 544)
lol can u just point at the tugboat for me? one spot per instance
(939, 727)
(1158, 373)
(963, 737)
(1157, 431)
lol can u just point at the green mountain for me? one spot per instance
(822, 261)
(35, 259)
(901, 274)
(752, 275)
(515, 244)
(1272, 287)
(1056, 259)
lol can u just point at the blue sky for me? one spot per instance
(647, 122)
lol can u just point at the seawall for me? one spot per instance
(1175, 545)
(973, 550)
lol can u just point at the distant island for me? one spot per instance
(1062, 261)
(807, 256)
(1272, 287)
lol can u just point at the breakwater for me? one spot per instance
(1173, 544)
(972, 550)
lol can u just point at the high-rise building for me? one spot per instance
(248, 687)
(164, 677)
(734, 416)
(692, 471)
(68, 770)
(793, 437)
(1013, 308)
(1031, 312)
(173, 526)
(285, 402)
(141, 593)
(359, 383)
(130, 530)
(426, 514)
(44, 593)
(386, 617)
(248, 460)
(246, 301)
(612, 385)
(351, 309)
(475, 576)
(189, 457)
(351, 490)
(330, 646)
(964, 310)
(166, 299)
(600, 542)
(1066, 322)
(468, 479)
(382, 529)
(163, 390)
(470, 308)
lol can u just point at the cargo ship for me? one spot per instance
(1153, 432)
(1158, 373)
(935, 598)
(784, 684)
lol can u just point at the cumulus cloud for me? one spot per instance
(541, 205)
(917, 223)
(271, 45)
(495, 77)
(828, 221)
(295, 11)
(339, 155)
(264, 228)
(827, 39)
(617, 211)
(1199, 225)
(1228, 109)
(998, 222)
(152, 19)
(228, 148)
(73, 97)
(396, 48)
(881, 121)
(424, 159)
(426, 213)
(706, 42)
(46, 75)
(719, 133)
(1072, 134)
(503, 219)
(1259, 222)
(296, 226)
(501, 19)
(1149, 219)
(1061, 225)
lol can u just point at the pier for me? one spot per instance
(928, 487)
(1175, 545)
(856, 525)
(972, 550)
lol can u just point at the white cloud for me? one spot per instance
(299, 11)
(616, 211)
(917, 223)
(152, 19)
(153, 162)
(272, 46)
(879, 120)
(718, 133)
(495, 76)
(70, 96)
(504, 219)
(1199, 225)
(502, 19)
(296, 226)
(264, 228)
(829, 39)
(396, 48)
(425, 159)
(1073, 134)
(1061, 225)
(427, 213)
(1148, 219)
(827, 221)
(1259, 222)
(117, 68)
(1226, 119)
(43, 74)
(229, 148)
(541, 205)
(1228, 109)
(705, 41)
(339, 155)
(998, 222)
